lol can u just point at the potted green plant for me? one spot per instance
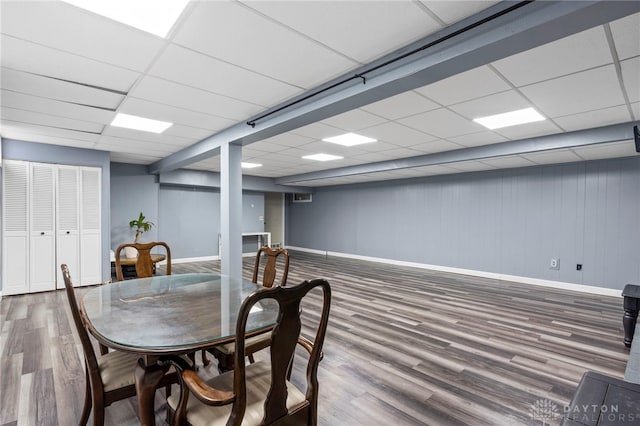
(141, 225)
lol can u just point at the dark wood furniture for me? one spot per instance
(109, 378)
(225, 353)
(169, 315)
(631, 294)
(128, 265)
(144, 264)
(603, 400)
(259, 393)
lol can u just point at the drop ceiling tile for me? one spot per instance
(609, 150)
(194, 134)
(331, 148)
(402, 105)
(256, 41)
(163, 112)
(470, 166)
(579, 52)
(454, 11)
(441, 123)
(396, 134)
(175, 142)
(55, 89)
(400, 153)
(71, 29)
(477, 139)
(316, 131)
(492, 104)
(286, 140)
(25, 102)
(200, 71)
(529, 130)
(507, 162)
(30, 57)
(352, 121)
(121, 144)
(262, 147)
(626, 36)
(180, 96)
(553, 157)
(464, 86)
(635, 107)
(585, 91)
(431, 147)
(597, 118)
(38, 133)
(30, 117)
(631, 77)
(360, 30)
(371, 157)
(21, 133)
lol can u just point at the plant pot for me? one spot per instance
(130, 253)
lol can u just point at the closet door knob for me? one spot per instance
(42, 233)
(68, 232)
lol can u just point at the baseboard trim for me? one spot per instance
(515, 278)
(191, 259)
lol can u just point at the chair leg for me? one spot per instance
(251, 359)
(86, 409)
(98, 414)
(205, 360)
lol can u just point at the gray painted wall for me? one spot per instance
(510, 221)
(54, 154)
(186, 217)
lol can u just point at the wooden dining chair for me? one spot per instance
(144, 263)
(225, 353)
(110, 377)
(259, 393)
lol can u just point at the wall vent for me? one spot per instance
(301, 198)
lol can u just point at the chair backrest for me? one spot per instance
(144, 262)
(284, 337)
(269, 273)
(87, 347)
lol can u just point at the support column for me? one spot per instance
(231, 209)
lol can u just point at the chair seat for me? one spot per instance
(117, 369)
(230, 348)
(258, 381)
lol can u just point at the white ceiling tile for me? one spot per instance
(191, 133)
(597, 118)
(371, 157)
(353, 120)
(163, 112)
(180, 96)
(30, 57)
(402, 105)
(31, 117)
(631, 77)
(38, 133)
(396, 134)
(171, 141)
(441, 123)
(507, 162)
(400, 153)
(360, 30)
(434, 146)
(454, 11)
(553, 157)
(286, 139)
(578, 52)
(200, 71)
(22, 101)
(121, 144)
(477, 139)
(316, 131)
(470, 166)
(464, 86)
(609, 150)
(492, 104)
(208, 27)
(529, 130)
(585, 91)
(626, 36)
(68, 28)
(330, 148)
(635, 107)
(52, 88)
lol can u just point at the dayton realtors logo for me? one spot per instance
(546, 411)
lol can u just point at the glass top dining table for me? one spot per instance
(170, 315)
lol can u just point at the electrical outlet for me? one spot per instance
(554, 264)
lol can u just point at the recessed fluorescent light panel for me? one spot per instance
(349, 139)
(155, 17)
(250, 165)
(322, 157)
(140, 123)
(513, 118)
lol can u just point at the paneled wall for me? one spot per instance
(510, 221)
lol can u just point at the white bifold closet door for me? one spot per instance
(42, 242)
(68, 226)
(15, 227)
(90, 226)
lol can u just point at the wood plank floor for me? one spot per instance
(405, 346)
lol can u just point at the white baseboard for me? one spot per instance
(524, 280)
(191, 259)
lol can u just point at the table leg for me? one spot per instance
(148, 377)
(629, 319)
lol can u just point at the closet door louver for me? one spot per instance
(68, 223)
(90, 226)
(15, 232)
(42, 248)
